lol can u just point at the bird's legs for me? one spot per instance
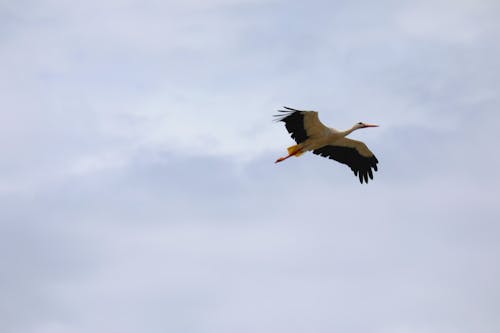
(281, 159)
(291, 153)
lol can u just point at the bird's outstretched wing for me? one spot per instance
(353, 153)
(301, 124)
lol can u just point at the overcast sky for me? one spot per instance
(138, 191)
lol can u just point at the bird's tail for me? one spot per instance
(293, 150)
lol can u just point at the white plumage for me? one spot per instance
(311, 135)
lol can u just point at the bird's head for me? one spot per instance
(363, 125)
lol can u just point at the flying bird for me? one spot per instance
(311, 135)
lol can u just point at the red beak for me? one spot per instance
(370, 125)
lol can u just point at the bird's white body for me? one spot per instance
(312, 135)
(320, 135)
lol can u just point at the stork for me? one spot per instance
(311, 135)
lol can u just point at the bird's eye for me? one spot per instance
(360, 123)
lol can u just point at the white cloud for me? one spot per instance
(460, 22)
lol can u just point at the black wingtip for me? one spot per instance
(291, 109)
(284, 113)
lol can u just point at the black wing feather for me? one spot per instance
(294, 123)
(361, 166)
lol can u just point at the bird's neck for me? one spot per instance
(349, 131)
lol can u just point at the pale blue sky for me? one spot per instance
(138, 190)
